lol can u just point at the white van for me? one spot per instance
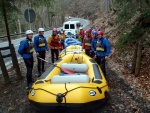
(72, 27)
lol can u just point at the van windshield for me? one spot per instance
(72, 26)
(66, 26)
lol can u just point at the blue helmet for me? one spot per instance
(94, 32)
(90, 28)
(58, 32)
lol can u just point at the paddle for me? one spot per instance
(63, 69)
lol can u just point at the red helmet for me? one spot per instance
(88, 31)
(100, 33)
(54, 29)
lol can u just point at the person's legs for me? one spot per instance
(63, 45)
(39, 65)
(43, 57)
(57, 53)
(87, 51)
(29, 66)
(101, 62)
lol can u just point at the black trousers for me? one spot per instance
(40, 62)
(29, 65)
(87, 51)
(56, 52)
(62, 44)
(101, 61)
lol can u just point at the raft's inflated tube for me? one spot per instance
(70, 79)
(80, 68)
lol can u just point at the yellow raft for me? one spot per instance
(72, 49)
(83, 89)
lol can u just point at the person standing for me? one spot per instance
(87, 42)
(54, 44)
(26, 50)
(102, 50)
(93, 43)
(82, 33)
(40, 45)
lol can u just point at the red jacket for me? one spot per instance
(54, 43)
(82, 33)
(87, 43)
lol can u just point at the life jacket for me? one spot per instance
(41, 42)
(30, 48)
(82, 33)
(55, 41)
(99, 46)
(88, 42)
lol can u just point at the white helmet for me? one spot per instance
(81, 28)
(41, 29)
(29, 32)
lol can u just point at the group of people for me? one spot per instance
(96, 45)
(93, 41)
(41, 46)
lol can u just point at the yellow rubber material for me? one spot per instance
(43, 91)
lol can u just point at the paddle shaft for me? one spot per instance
(48, 62)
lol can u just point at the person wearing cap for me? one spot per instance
(26, 50)
(54, 44)
(87, 42)
(40, 45)
(82, 33)
(102, 50)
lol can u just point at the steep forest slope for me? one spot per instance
(126, 24)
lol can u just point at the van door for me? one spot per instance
(73, 28)
(66, 28)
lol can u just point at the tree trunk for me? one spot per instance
(6, 22)
(4, 70)
(62, 19)
(19, 25)
(134, 59)
(138, 60)
(15, 62)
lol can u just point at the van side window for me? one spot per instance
(66, 26)
(72, 26)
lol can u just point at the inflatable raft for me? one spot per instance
(75, 83)
(71, 41)
(71, 50)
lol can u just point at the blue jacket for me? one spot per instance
(106, 44)
(22, 47)
(36, 44)
(93, 47)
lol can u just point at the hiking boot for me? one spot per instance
(29, 86)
